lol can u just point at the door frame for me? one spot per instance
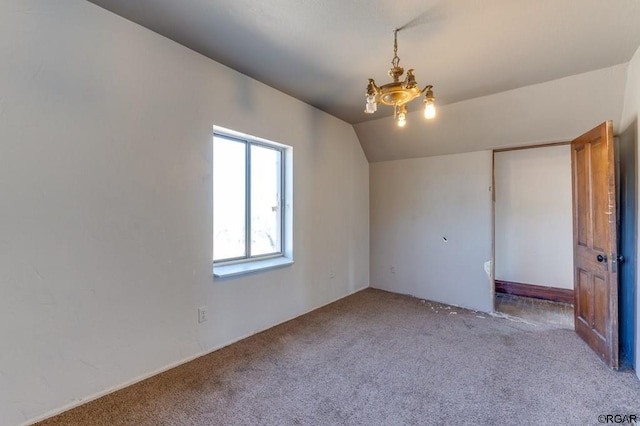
(493, 204)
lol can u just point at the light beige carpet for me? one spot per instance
(377, 358)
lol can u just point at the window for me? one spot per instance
(249, 203)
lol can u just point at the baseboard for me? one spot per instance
(81, 401)
(537, 291)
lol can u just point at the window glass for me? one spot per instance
(266, 223)
(248, 199)
(229, 206)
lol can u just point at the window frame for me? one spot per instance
(250, 263)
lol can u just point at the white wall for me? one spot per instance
(416, 203)
(533, 213)
(105, 205)
(630, 113)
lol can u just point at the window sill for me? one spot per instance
(233, 270)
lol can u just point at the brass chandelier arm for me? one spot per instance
(372, 88)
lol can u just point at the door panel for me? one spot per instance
(581, 184)
(594, 230)
(600, 309)
(600, 194)
(584, 292)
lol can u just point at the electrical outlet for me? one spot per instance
(202, 314)
(392, 268)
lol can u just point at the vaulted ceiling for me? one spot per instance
(323, 51)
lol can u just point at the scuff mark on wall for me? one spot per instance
(487, 268)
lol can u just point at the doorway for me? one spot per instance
(533, 234)
(515, 279)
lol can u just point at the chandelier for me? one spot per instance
(399, 93)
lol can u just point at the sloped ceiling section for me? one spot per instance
(323, 51)
(555, 111)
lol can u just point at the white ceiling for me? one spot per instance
(323, 51)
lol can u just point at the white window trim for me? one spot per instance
(248, 267)
(240, 267)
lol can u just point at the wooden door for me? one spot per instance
(594, 241)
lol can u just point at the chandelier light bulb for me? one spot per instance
(371, 107)
(429, 109)
(402, 119)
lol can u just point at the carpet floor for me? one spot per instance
(377, 358)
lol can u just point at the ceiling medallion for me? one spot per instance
(399, 93)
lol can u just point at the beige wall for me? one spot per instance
(533, 216)
(415, 205)
(106, 215)
(630, 113)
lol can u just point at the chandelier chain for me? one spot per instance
(396, 59)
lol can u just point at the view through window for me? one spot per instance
(248, 190)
